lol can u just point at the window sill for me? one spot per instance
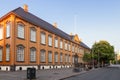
(21, 38)
(33, 41)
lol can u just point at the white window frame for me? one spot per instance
(56, 43)
(61, 44)
(49, 56)
(32, 55)
(50, 40)
(1, 53)
(61, 57)
(43, 38)
(69, 47)
(20, 53)
(20, 29)
(56, 57)
(66, 46)
(8, 26)
(42, 55)
(33, 34)
(7, 52)
(1, 32)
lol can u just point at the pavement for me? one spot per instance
(51, 74)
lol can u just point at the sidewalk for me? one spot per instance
(52, 74)
(56, 74)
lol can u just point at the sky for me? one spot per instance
(92, 20)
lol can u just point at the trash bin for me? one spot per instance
(31, 73)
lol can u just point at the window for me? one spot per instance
(33, 34)
(49, 56)
(7, 52)
(1, 54)
(60, 57)
(50, 40)
(8, 29)
(21, 30)
(69, 47)
(32, 54)
(42, 55)
(43, 40)
(20, 53)
(56, 57)
(1, 32)
(65, 57)
(73, 48)
(69, 59)
(73, 59)
(66, 46)
(61, 44)
(56, 42)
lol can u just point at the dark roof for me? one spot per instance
(43, 24)
(39, 22)
(84, 45)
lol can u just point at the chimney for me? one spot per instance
(71, 34)
(25, 7)
(55, 25)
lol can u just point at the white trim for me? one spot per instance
(25, 67)
(5, 68)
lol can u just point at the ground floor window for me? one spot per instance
(42, 55)
(49, 56)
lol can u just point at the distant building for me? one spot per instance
(28, 41)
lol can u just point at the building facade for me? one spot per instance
(28, 41)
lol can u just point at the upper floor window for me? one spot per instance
(50, 40)
(56, 42)
(1, 53)
(65, 45)
(33, 34)
(49, 56)
(20, 53)
(1, 32)
(61, 44)
(20, 30)
(42, 55)
(7, 52)
(8, 29)
(32, 54)
(43, 38)
(73, 48)
(69, 47)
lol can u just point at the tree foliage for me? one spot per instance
(87, 57)
(103, 50)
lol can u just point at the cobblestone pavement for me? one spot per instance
(52, 74)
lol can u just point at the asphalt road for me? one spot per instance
(100, 74)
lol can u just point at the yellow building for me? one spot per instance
(28, 41)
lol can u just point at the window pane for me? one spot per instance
(42, 38)
(7, 53)
(61, 44)
(1, 32)
(56, 43)
(33, 35)
(42, 56)
(0, 54)
(8, 30)
(32, 54)
(56, 57)
(49, 40)
(49, 56)
(20, 53)
(20, 31)
(61, 57)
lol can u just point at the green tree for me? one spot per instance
(87, 57)
(103, 51)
